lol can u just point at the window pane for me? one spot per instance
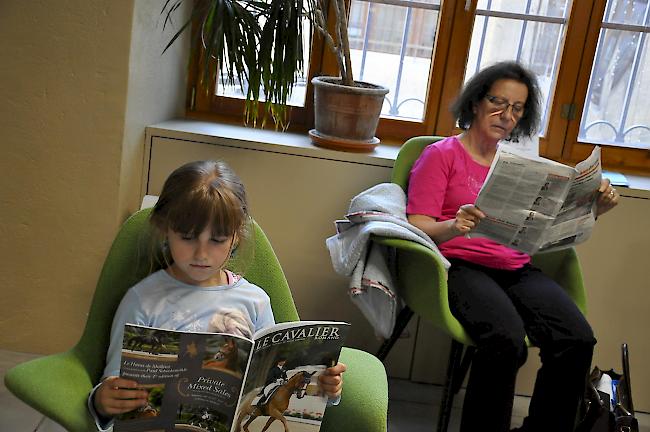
(615, 109)
(297, 94)
(536, 43)
(626, 12)
(393, 46)
(538, 7)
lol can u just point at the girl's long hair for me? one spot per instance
(197, 195)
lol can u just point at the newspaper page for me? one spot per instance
(523, 195)
(576, 217)
(526, 144)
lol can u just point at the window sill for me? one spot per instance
(639, 187)
(268, 140)
(299, 144)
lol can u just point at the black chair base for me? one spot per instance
(457, 366)
(402, 321)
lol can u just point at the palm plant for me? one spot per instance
(259, 43)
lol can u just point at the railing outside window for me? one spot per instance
(392, 45)
(616, 107)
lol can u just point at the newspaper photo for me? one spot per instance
(534, 204)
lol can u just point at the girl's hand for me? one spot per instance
(467, 217)
(607, 197)
(331, 381)
(117, 395)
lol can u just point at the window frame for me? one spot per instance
(626, 159)
(446, 76)
(202, 102)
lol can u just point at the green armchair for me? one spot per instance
(422, 284)
(58, 385)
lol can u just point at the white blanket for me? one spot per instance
(379, 211)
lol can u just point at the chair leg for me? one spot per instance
(455, 354)
(461, 372)
(402, 320)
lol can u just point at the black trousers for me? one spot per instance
(498, 308)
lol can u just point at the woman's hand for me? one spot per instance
(467, 217)
(607, 197)
(331, 381)
(117, 395)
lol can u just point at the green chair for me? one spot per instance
(422, 283)
(58, 385)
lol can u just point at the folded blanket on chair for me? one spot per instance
(379, 211)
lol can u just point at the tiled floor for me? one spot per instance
(412, 407)
(14, 415)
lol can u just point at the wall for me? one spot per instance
(75, 78)
(156, 90)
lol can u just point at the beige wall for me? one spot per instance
(75, 78)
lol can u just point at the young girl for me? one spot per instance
(201, 217)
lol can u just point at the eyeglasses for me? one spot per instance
(501, 104)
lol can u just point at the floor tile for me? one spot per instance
(412, 407)
(15, 415)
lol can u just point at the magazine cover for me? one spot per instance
(281, 386)
(196, 381)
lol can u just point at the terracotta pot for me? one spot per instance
(346, 117)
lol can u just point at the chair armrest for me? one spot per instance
(422, 283)
(364, 400)
(57, 386)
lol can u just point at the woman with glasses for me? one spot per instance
(494, 291)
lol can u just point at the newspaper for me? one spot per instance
(526, 144)
(534, 204)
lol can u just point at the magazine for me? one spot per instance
(219, 382)
(535, 204)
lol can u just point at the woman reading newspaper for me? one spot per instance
(494, 291)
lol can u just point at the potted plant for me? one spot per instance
(257, 44)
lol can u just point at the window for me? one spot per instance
(590, 57)
(611, 88)
(392, 45)
(529, 32)
(614, 111)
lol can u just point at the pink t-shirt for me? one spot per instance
(444, 178)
